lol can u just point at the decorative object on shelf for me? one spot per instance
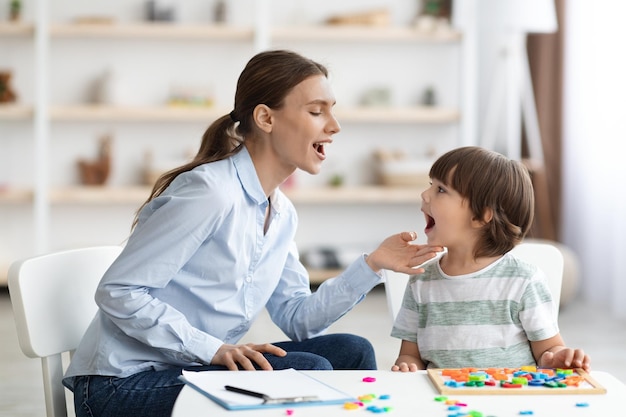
(397, 168)
(219, 11)
(336, 180)
(429, 98)
(379, 17)
(96, 172)
(195, 96)
(376, 97)
(321, 258)
(160, 11)
(7, 95)
(94, 20)
(111, 90)
(437, 8)
(15, 10)
(434, 15)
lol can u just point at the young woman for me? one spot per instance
(214, 245)
(479, 306)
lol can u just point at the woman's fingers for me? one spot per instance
(235, 357)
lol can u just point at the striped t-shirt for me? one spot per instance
(482, 319)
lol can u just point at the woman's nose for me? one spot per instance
(333, 125)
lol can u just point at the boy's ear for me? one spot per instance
(487, 217)
(262, 116)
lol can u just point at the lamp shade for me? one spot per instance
(518, 16)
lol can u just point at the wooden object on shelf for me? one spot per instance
(379, 17)
(7, 95)
(96, 172)
(94, 20)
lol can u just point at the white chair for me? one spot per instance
(545, 256)
(53, 303)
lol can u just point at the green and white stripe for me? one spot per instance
(482, 319)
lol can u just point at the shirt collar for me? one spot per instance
(248, 176)
(250, 180)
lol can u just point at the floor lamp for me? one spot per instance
(511, 99)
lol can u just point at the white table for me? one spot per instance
(413, 394)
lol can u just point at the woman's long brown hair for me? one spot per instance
(267, 78)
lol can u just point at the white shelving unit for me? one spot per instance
(42, 206)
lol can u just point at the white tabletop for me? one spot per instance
(412, 394)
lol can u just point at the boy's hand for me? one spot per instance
(405, 367)
(565, 358)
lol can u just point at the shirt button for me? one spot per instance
(248, 279)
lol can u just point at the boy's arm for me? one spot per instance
(552, 353)
(409, 358)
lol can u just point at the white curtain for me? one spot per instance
(594, 160)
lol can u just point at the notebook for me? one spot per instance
(282, 388)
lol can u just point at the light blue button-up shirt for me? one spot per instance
(198, 269)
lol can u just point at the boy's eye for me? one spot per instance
(440, 190)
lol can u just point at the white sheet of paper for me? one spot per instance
(275, 384)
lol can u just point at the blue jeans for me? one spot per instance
(153, 393)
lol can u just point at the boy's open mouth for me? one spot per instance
(430, 222)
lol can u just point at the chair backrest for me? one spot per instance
(549, 259)
(545, 256)
(53, 303)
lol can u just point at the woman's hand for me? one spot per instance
(246, 356)
(397, 253)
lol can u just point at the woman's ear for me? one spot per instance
(262, 116)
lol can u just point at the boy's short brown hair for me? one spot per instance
(489, 180)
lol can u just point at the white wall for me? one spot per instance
(594, 169)
(147, 69)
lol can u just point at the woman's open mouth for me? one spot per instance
(320, 150)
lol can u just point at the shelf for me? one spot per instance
(16, 29)
(99, 195)
(151, 31)
(371, 194)
(135, 114)
(421, 114)
(363, 34)
(355, 195)
(144, 30)
(202, 114)
(15, 112)
(15, 196)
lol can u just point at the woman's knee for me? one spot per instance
(303, 361)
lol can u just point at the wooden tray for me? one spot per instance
(587, 386)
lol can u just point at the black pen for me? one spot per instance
(246, 392)
(269, 400)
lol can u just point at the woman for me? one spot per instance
(214, 244)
